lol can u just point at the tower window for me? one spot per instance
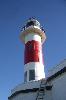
(30, 23)
(31, 75)
(25, 76)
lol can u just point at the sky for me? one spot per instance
(13, 15)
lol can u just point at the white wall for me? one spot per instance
(24, 86)
(59, 88)
(25, 96)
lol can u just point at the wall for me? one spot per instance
(26, 96)
(59, 88)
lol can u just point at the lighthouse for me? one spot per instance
(36, 86)
(33, 36)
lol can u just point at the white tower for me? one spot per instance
(33, 36)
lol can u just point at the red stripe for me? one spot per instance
(32, 50)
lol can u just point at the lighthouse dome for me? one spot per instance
(32, 26)
(32, 22)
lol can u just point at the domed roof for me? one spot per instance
(32, 26)
(32, 21)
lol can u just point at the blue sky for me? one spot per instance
(13, 14)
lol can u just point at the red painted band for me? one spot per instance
(32, 50)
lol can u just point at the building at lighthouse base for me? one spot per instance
(54, 86)
(27, 91)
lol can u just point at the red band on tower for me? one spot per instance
(32, 50)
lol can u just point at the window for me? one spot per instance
(30, 23)
(25, 76)
(31, 75)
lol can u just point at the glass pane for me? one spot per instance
(30, 23)
(31, 75)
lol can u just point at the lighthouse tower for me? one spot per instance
(33, 36)
(35, 85)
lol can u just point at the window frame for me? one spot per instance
(25, 76)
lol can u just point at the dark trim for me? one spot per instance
(36, 89)
(23, 91)
(48, 87)
(56, 74)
